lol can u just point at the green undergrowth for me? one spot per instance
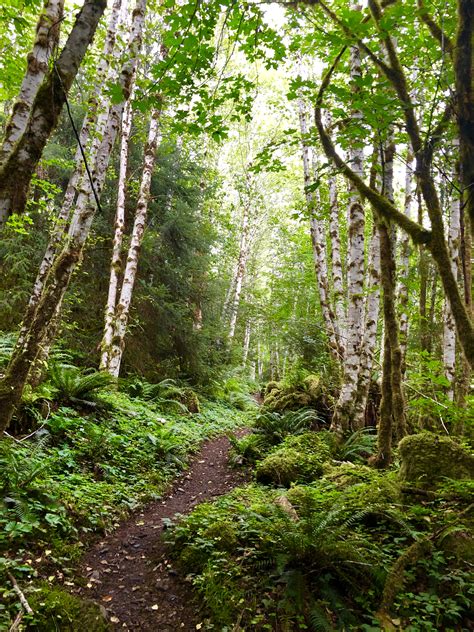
(321, 541)
(82, 472)
(326, 555)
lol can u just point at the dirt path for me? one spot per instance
(129, 573)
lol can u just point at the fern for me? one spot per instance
(71, 384)
(319, 620)
(358, 446)
(274, 426)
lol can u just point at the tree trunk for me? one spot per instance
(119, 229)
(94, 125)
(336, 261)
(18, 168)
(343, 413)
(240, 270)
(122, 308)
(318, 241)
(47, 36)
(57, 282)
(449, 333)
(405, 251)
(464, 79)
(369, 342)
(246, 348)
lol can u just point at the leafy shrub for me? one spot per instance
(247, 449)
(28, 508)
(321, 559)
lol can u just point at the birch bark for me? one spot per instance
(241, 269)
(119, 228)
(18, 168)
(47, 36)
(343, 412)
(449, 333)
(369, 342)
(96, 122)
(123, 307)
(317, 240)
(12, 385)
(336, 261)
(405, 251)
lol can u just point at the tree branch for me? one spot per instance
(435, 29)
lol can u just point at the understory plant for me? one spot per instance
(324, 556)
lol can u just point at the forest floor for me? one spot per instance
(128, 572)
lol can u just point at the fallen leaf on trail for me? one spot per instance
(107, 598)
(198, 626)
(114, 620)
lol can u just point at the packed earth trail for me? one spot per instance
(129, 572)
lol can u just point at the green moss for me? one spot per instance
(299, 459)
(224, 535)
(312, 384)
(56, 609)
(272, 386)
(428, 459)
(190, 399)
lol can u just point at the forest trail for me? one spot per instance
(129, 573)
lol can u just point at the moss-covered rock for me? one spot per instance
(311, 392)
(272, 386)
(189, 399)
(298, 459)
(427, 459)
(56, 609)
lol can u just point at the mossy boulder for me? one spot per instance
(298, 459)
(56, 609)
(310, 392)
(427, 459)
(188, 398)
(273, 386)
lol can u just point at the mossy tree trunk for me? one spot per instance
(122, 308)
(464, 78)
(46, 40)
(344, 410)
(18, 167)
(59, 277)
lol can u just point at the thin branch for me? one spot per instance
(21, 596)
(435, 29)
(418, 233)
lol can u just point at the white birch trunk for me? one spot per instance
(336, 261)
(343, 412)
(369, 342)
(66, 261)
(47, 36)
(119, 228)
(317, 240)
(59, 230)
(454, 238)
(123, 306)
(246, 348)
(405, 250)
(240, 271)
(20, 163)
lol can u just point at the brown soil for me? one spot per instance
(129, 572)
